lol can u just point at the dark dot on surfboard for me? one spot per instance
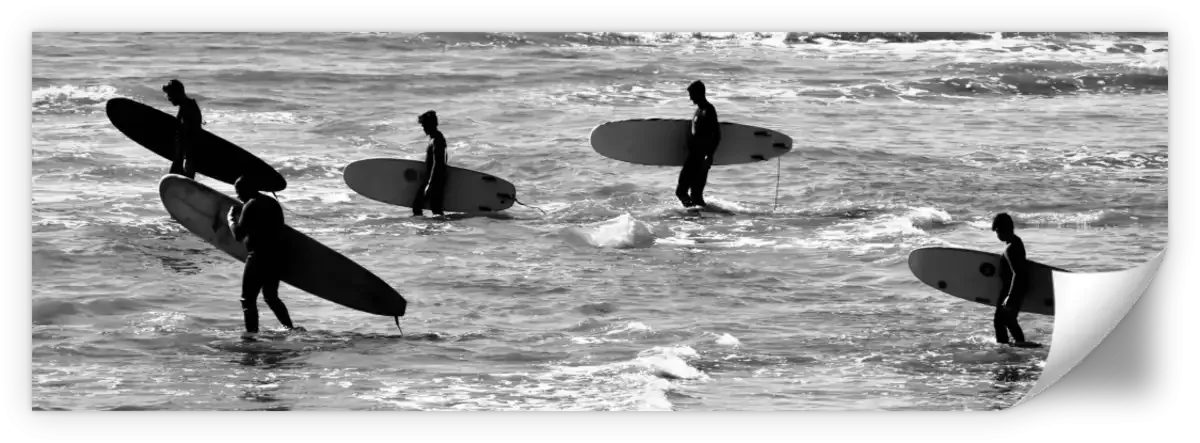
(758, 157)
(485, 209)
(987, 269)
(983, 300)
(411, 175)
(781, 146)
(941, 284)
(762, 134)
(489, 179)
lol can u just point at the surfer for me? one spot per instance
(1013, 275)
(186, 132)
(258, 223)
(431, 192)
(702, 142)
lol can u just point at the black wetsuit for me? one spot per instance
(260, 225)
(185, 134)
(1009, 306)
(703, 138)
(435, 163)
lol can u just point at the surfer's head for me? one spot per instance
(244, 187)
(696, 91)
(1003, 226)
(174, 90)
(428, 121)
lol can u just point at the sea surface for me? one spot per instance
(613, 298)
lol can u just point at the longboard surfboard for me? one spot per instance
(213, 156)
(663, 142)
(396, 182)
(310, 266)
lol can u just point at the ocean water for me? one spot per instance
(612, 299)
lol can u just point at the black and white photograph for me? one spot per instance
(578, 221)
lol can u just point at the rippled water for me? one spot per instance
(612, 299)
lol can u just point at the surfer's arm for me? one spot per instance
(439, 159)
(716, 135)
(1017, 264)
(706, 131)
(240, 227)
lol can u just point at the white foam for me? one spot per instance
(69, 96)
(728, 340)
(624, 231)
(596, 340)
(669, 362)
(269, 117)
(632, 326)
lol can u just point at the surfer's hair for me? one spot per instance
(244, 182)
(696, 86)
(173, 85)
(1002, 222)
(429, 117)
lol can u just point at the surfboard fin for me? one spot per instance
(397, 317)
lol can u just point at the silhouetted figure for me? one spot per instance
(1014, 274)
(186, 132)
(259, 224)
(702, 141)
(432, 191)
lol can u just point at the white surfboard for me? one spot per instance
(1089, 309)
(975, 276)
(396, 181)
(663, 142)
(310, 266)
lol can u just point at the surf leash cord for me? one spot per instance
(778, 167)
(514, 199)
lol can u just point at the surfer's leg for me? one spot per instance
(418, 205)
(999, 321)
(685, 182)
(1013, 327)
(189, 163)
(698, 183)
(251, 284)
(437, 190)
(271, 295)
(177, 162)
(177, 165)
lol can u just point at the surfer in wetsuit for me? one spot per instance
(1013, 272)
(703, 138)
(259, 223)
(431, 192)
(187, 130)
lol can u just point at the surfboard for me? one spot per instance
(663, 142)
(311, 266)
(214, 156)
(396, 181)
(975, 276)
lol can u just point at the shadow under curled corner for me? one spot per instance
(1109, 334)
